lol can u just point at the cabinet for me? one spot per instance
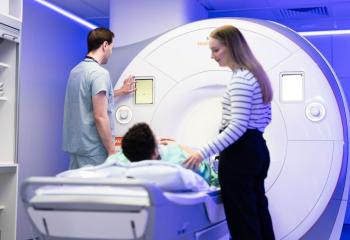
(11, 8)
(8, 200)
(3, 66)
(10, 27)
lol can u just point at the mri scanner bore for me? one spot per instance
(308, 135)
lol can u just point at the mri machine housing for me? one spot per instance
(307, 185)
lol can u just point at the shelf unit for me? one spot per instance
(11, 8)
(3, 66)
(8, 167)
(8, 200)
(10, 27)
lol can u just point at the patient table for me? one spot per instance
(120, 208)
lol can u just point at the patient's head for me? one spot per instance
(139, 143)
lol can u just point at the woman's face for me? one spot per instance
(220, 53)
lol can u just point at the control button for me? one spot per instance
(123, 115)
(315, 111)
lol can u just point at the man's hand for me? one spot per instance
(128, 87)
(193, 161)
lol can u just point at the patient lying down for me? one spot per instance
(140, 158)
(139, 143)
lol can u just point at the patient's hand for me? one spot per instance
(166, 141)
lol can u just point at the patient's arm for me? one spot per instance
(187, 149)
(167, 141)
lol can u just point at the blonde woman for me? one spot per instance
(244, 156)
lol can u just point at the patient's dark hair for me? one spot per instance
(139, 143)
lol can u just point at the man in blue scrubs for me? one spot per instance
(88, 125)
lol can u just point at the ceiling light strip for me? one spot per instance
(67, 14)
(92, 26)
(323, 33)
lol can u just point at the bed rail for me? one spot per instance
(156, 196)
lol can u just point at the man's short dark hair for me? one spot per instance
(139, 143)
(98, 36)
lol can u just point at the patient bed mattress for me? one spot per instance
(61, 208)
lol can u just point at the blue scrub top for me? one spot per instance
(80, 135)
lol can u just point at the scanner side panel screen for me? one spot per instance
(144, 91)
(292, 87)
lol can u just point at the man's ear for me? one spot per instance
(105, 44)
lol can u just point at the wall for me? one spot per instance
(336, 50)
(134, 21)
(51, 45)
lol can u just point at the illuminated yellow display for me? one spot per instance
(144, 91)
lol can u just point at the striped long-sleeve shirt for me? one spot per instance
(242, 109)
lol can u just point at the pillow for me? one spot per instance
(81, 174)
(113, 171)
(167, 176)
(114, 166)
(94, 172)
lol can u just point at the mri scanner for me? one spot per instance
(178, 93)
(307, 183)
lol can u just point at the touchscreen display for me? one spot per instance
(292, 87)
(144, 90)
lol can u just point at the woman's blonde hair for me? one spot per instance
(243, 57)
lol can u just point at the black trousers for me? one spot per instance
(243, 167)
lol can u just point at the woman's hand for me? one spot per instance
(193, 161)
